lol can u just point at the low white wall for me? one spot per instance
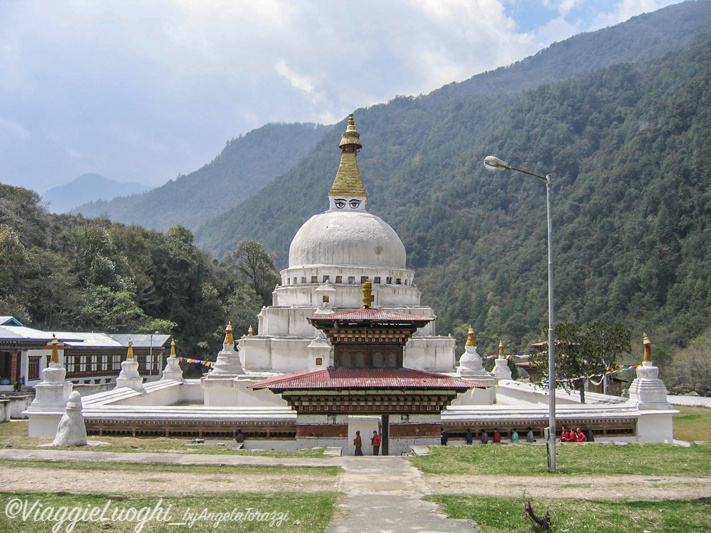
(4, 410)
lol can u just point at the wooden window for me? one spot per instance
(326, 278)
(377, 280)
(33, 370)
(314, 279)
(363, 279)
(339, 279)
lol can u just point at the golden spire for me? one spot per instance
(470, 337)
(229, 339)
(348, 182)
(251, 331)
(647, 349)
(367, 294)
(172, 347)
(55, 350)
(129, 355)
(501, 349)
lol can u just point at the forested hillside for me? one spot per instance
(627, 147)
(243, 167)
(68, 273)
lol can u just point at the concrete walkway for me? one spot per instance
(383, 494)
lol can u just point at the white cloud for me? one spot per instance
(302, 83)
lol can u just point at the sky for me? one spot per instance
(142, 91)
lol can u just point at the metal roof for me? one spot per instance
(365, 378)
(9, 321)
(142, 340)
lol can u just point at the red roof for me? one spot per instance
(371, 315)
(364, 378)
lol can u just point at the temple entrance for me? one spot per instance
(366, 424)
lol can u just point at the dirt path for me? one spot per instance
(53, 479)
(50, 479)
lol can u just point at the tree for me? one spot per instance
(581, 353)
(251, 261)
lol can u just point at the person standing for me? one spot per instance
(375, 441)
(358, 443)
(484, 437)
(469, 438)
(497, 437)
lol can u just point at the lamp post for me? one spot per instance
(150, 356)
(494, 163)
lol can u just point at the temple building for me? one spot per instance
(347, 346)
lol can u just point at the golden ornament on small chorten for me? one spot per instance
(471, 341)
(229, 339)
(250, 332)
(172, 347)
(647, 349)
(501, 348)
(54, 358)
(129, 355)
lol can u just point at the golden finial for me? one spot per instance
(251, 331)
(229, 339)
(501, 348)
(647, 349)
(471, 341)
(55, 350)
(348, 182)
(351, 136)
(367, 294)
(172, 347)
(129, 355)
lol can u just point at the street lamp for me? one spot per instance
(150, 356)
(494, 163)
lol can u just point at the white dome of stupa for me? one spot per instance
(347, 238)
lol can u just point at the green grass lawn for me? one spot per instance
(496, 514)
(14, 435)
(292, 512)
(571, 459)
(692, 423)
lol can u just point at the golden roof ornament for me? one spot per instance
(348, 181)
(229, 339)
(647, 349)
(501, 348)
(367, 294)
(251, 331)
(54, 358)
(471, 341)
(172, 347)
(129, 355)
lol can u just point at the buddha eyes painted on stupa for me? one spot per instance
(340, 203)
(354, 204)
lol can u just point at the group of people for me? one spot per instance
(375, 441)
(574, 435)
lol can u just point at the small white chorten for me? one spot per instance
(228, 363)
(501, 370)
(71, 430)
(172, 368)
(649, 395)
(51, 396)
(129, 376)
(471, 368)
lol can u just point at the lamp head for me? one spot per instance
(494, 163)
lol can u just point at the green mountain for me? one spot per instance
(243, 167)
(626, 146)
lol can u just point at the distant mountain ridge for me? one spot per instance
(244, 166)
(88, 188)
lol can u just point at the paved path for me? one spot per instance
(700, 401)
(383, 494)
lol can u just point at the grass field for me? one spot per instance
(292, 512)
(499, 515)
(692, 423)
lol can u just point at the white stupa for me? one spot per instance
(471, 368)
(129, 376)
(172, 368)
(330, 258)
(501, 371)
(51, 396)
